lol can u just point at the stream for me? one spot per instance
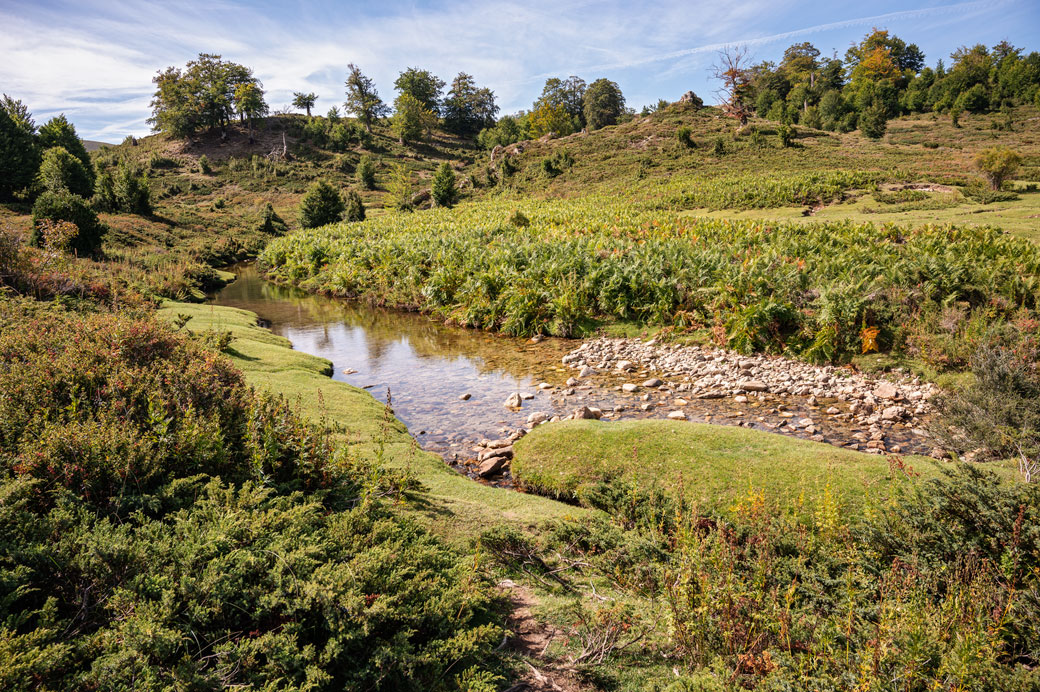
(449, 384)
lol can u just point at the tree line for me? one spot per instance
(50, 167)
(879, 78)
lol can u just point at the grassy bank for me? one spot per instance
(714, 466)
(456, 507)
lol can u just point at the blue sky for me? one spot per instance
(95, 60)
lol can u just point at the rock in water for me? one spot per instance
(514, 400)
(677, 415)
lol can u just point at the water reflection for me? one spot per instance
(428, 366)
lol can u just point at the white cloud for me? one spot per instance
(95, 62)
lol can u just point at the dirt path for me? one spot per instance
(530, 639)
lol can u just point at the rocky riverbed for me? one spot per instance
(629, 378)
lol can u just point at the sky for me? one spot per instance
(94, 60)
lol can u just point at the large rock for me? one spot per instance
(537, 417)
(886, 390)
(514, 400)
(626, 365)
(692, 99)
(586, 413)
(504, 452)
(752, 386)
(677, 415)
(492, 466)
(629, 388)
(893, 413)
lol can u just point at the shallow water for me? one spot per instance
(427, 366)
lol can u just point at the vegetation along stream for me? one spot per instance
(449, 385)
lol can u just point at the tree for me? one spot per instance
(62, 205)
(568, 94)
(362, 98)
(551, 120)
(249, 100)
(399, 188)
(731, 69)
(60, 170)
(603, 104)
(202, 96)
(998, 164)
(59, 132)
(507, 131)
(444, 191)
(467, 110)
(422, 85)
(19, 152)
(355, 207)
(321, 205)
(304, 101)
(873, 121)
(411, 119)
(366, 172)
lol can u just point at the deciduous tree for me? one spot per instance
(603, 104)
(304, 101)
(363, 98)
(422, 85)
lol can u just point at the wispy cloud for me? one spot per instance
(95, 60)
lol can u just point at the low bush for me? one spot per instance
(163, 525)
(65, 206)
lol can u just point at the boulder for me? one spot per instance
(626, 365)
(752, 386)
(465, 397)
(537, 417)
(652, 383)
(691, 99)
(514, 401)
(886, 390)
(504, 452)
(629, 388)
(492, 466)
(586, 372)
(893, 413)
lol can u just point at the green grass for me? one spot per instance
(456, 507)
(715, 465)
(1019, 217)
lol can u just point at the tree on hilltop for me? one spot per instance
(59, 132)
(304, 101)
(199, 97)
(731, 68)
(422, 85)
(468, 109)
(603, 104)
(363, 98)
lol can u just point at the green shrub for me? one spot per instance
(785, 134)
(270, 222)
(997, 165)
(683, 135)
(60, 170)
(131, 192)
(873, 122)
(399, 188)
(556, 164)
(160, 521)
(444, 191)
(204, 165)
(366, 172)
(355, 207)
(321, 205)
(65, 206)
(719, 147)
